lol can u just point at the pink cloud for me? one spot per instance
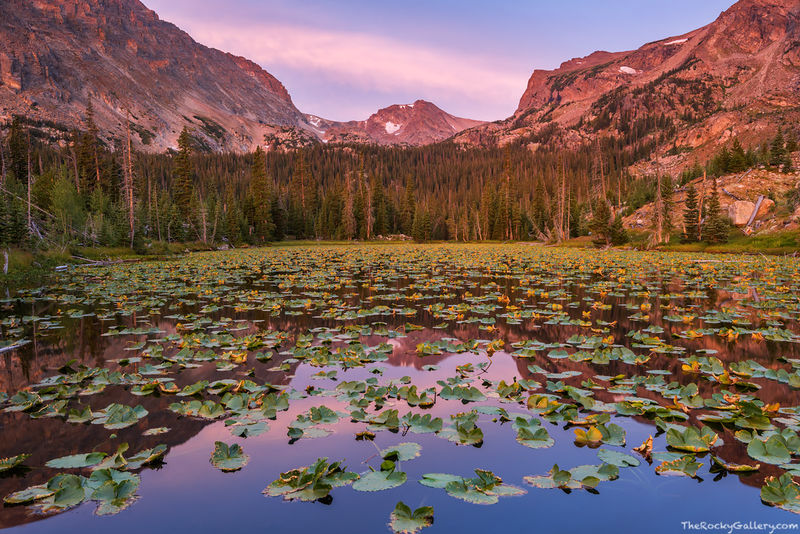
(371, 62)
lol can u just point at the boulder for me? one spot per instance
(766, 208)
(740, 212)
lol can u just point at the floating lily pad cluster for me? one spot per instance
(705, 349)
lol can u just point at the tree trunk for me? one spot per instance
(700, 208)
(2, 164)
(75, 169)
(158, 219)
(30, 226)
(130, 178)
(97, 165)
(658, 234)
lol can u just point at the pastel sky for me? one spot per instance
(345, 59)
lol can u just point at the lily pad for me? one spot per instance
(404, 521)
(228, 457)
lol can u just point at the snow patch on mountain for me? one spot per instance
(676, 41)
(392, 128)
(628, 70)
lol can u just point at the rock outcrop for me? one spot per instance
(740, 212)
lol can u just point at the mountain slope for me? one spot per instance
(56, 54)
(736, 76)
(416, 124)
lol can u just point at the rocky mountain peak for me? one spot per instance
(418, 123)
(694, 86)
(56, 54)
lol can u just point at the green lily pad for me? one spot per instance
(77, 461)
(772, 451)
(619, 459)
(402, 452)
(30, 494)
(782, 492)
(404, 521)
(379, 480)
(684, 465)
(7, 464)
(228, 457)
(311, 483)
(692, 439)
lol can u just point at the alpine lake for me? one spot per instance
(398, 387)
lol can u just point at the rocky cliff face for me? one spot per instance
(57, 54)
(420, 123)
(740, 75)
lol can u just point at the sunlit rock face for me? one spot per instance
(56, 55)
(738, 76)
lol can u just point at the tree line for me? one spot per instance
(105, 193)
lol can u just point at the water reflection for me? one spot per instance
(187, 491)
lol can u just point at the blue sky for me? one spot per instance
(345, 59)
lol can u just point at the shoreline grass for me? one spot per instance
(27, 267)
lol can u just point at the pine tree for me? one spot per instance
(715, 228)
(788, 166)
(18, 150)
(416, 227)
(5, 222)
(18, 229)
(777, 150)
(690, 216)
(409, 207)
(426, 226)
(184, 175)
(725, 161)
(576, 228)
(232, 228)
(278, 218)
(738, 161)
(600, 224)
(349, 227)
(791, 142)
(617, 233)
(488, 208)
(260, 200)
(311, 212)
(421, 231)
(381, 216)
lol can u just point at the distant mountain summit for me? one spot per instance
(420, 123)
(738, 75)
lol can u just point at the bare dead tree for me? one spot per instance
(30, 183)
(129, 176)
(2, 163)
(700, 207)
(602, 171)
